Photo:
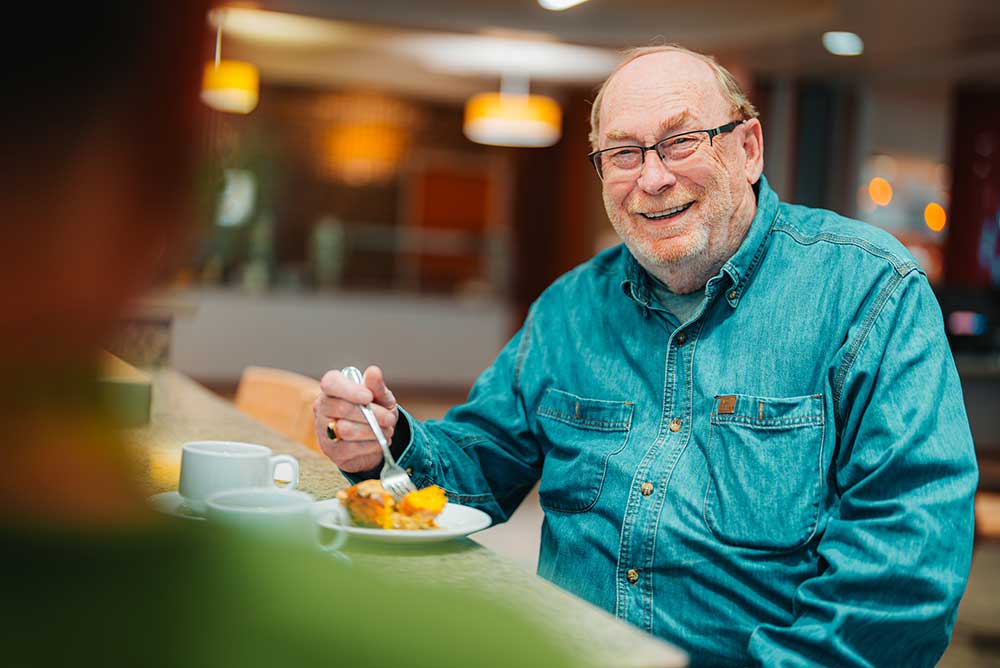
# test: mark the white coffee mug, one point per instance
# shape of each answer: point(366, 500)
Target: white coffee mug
point(270, 513)
point(208, 467)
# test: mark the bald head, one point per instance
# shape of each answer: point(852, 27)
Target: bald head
point(672, 64)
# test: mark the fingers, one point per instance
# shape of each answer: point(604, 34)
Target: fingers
point(375, 382)
point(336, 385)
point(338, 409)
point(349, 431)
point(353, 449)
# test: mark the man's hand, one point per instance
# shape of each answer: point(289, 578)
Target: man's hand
point(355, 448)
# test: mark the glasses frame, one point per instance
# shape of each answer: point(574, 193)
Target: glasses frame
point(712, 133)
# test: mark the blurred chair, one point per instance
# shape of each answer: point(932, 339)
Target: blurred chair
point(988, 516)
point(282, 400)
point(988, 496)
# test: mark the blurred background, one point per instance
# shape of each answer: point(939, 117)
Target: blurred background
point(379, 188)
point(356, 205)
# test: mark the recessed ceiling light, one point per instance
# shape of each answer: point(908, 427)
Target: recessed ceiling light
point(493, 56)
point(559, 5)
point(843, 43)
point(279, 28)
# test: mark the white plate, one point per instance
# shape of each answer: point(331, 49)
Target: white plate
point(454, 521)
point(172, 503)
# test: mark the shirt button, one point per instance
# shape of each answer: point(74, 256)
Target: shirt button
point(646, 489)
point(681, 338)
point(632, 576)
point(675, 425)
point(732, 294)
point(409, 470)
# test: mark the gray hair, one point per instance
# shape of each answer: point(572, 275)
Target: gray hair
point(730, 89)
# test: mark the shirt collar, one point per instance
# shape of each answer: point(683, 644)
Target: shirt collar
point(739, 268)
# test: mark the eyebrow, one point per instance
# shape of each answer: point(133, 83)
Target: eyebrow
point(674, 123)
point(665, 128)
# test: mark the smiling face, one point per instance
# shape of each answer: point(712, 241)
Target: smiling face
point(683, 220)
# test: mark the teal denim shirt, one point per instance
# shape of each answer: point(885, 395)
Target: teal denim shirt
point(785, 479)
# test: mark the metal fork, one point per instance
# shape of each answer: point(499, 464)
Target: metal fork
point(393, 477)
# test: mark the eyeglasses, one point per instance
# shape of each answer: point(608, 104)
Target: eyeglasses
point(623, 163)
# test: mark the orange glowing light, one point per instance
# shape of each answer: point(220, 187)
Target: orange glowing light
point(935, 216)
point(880, 191)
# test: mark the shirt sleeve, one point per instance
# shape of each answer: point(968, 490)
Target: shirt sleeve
point(483, 453)
point(894, 558)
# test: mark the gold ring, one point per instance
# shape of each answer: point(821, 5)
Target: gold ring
point(331, 431)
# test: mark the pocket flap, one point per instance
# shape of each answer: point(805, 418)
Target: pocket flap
point(768, 411)
point(585, 413)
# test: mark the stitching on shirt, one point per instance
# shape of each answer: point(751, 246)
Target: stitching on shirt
point(902, 267)
point(761, 250)
point(668, 474)
point(592, 422)
point(470, 440)
point(855, 349)
point(465, 498)
point(629, 521)
point(768, 422)
point(522, 350)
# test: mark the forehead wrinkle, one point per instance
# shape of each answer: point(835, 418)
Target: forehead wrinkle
point(666, 126)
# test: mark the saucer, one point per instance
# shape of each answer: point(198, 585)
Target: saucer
point(172, 503)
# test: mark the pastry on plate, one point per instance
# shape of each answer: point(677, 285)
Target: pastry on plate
point(371, 506)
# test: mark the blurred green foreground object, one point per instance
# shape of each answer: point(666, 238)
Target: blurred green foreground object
point(187, 594)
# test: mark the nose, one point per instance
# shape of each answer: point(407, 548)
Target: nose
point(654, 177)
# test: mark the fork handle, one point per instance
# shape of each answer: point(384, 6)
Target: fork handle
point(354, 374)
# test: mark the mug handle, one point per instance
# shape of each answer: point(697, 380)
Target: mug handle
point(340, 536)
point(291, 461)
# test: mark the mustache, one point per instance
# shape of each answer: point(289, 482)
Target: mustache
point(653, 205)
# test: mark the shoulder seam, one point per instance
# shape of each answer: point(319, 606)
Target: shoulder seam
point(901, 267)
point(522, 349)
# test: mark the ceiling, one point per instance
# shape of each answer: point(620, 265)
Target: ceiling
point(397, 44)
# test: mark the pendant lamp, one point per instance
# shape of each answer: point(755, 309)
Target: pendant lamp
point(232, 86)
point(513, 118)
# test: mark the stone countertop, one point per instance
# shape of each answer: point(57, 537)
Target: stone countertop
point(185, 411)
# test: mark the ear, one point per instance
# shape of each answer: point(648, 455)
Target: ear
point(753, 149)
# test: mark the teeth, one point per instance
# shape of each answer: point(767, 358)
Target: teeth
point(668, 212)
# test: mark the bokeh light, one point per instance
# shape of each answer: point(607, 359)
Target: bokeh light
point(880, 191)
point(935, 216)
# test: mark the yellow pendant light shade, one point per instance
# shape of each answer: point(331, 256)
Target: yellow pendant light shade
point(513, 120)
point(231, 85)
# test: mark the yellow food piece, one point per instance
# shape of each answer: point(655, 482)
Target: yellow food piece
point(426, 502)
point(370, 505)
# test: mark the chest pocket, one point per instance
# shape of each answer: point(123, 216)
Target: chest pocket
point(581, 435)
point(765, 463)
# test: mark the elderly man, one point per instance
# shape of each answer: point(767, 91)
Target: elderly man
point(746, 421)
